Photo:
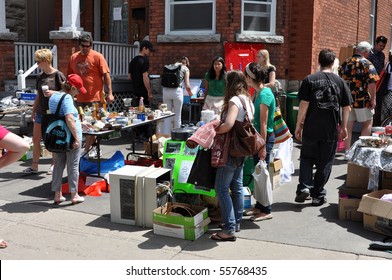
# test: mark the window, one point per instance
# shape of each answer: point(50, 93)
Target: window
point(258, 16)
point(190, 17)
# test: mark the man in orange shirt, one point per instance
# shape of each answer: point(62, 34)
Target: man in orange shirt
point(92, 67)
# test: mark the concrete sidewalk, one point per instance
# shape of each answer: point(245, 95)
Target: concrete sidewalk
point(35, 229)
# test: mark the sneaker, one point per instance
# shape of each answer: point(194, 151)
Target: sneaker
point(318, 201)
point(302, 196)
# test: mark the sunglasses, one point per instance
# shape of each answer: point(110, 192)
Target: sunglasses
point(85, 46)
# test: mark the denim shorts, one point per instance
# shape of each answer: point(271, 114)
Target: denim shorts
point(38, 118)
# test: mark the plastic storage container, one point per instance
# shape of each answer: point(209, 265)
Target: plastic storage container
point(292, 107)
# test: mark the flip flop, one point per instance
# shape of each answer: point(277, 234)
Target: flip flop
point(62, 199)
point(238, 229)
point(30, 170)
point(219, 237)
point(3, 244)
point(261, 218)
point(252, 212)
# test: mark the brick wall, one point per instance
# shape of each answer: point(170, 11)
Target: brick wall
point(7, 61)
point(65, 49)
point(228, 24)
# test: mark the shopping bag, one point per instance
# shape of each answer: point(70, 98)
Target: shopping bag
point(281, 130)
point(262, 184)
point(202, 173)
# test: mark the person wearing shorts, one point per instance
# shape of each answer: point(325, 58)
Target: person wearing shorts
point(15, 147)
point(361, 77)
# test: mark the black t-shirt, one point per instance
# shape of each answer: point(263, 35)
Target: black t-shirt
point(139, 65)
point(326, 93)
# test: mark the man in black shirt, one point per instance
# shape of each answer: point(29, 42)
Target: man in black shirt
point(322, 96)
point(138, 73)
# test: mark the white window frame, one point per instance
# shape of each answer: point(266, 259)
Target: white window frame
point(372, 21)
point(273, 5)
point(169, 3)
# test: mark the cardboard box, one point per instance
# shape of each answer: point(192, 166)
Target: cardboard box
point(276, 165)
point(178, 226)
point(275, 179)
point(386, 180)
point(44, 152)
point(155, 144)
point(377, 224)
point(147, 148)
point(357, 176)
point(371, 204)
point(348, 206)
point(275, 168)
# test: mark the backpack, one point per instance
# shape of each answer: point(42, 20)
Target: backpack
point(171, 77)
point(58, 137)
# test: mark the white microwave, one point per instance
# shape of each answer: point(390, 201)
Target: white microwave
point(133, 194)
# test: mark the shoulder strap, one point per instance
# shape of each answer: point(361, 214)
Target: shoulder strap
point(244, 106)
point(59, 105)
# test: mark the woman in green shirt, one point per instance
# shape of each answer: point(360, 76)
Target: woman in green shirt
point(264, 102)
point(215, 86)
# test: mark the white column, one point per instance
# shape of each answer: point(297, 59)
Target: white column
point(71, 15)
point(2, 18)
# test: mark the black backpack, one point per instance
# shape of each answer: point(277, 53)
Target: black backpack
point(171, 77)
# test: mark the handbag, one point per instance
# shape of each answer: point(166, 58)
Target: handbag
point(245, 139)
point(220, 149)
point(202, 172)
point(281, 130)
point(58, 137)
point(262, 191)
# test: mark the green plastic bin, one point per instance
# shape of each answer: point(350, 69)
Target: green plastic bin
point(292, 107)
point(247, 177)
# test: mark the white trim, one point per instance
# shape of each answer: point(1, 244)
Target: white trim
point(272, 30)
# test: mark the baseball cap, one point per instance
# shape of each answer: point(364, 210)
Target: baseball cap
point(146, 44)
point(75, 81)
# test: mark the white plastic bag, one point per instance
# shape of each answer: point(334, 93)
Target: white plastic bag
point(262, 184)
point(285, 151)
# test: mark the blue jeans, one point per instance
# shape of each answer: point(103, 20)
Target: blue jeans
point(230, 177)
point(320, 154)
point(268, 147)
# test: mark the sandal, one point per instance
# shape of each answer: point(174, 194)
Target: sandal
point(62, 199)
point(77, 200)
point(30, 170)
point(261, 217)
point(3, 244)
point(219, 237)
point(252, 212)
point(237, 229)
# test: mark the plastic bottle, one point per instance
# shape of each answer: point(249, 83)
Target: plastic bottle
point(81, 113)
point(141, 104)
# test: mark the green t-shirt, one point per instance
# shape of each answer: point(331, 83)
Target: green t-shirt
point(215, 87)
point(265, 97)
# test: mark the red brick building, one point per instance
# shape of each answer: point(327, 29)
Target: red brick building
point(293, 31)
